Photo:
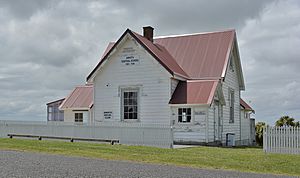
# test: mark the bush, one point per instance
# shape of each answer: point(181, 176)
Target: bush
point(259, 132)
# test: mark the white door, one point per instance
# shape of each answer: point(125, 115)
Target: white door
point(217, 121)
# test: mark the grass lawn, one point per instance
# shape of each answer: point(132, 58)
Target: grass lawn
point(240, 159)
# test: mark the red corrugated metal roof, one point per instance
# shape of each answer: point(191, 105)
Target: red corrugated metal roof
point(201, 56)
point(245, 105)
point(162, 55)
point(194, 92)
point(195, 56)
point(81, 97)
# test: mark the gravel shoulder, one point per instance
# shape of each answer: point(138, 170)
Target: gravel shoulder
point(27, 164)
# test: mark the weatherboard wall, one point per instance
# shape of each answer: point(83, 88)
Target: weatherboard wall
point(69, 116)
point(194, 132)
point(245, 123)
point(148, 75)
point(231, 83)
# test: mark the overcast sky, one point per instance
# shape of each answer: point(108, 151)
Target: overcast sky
point(49, 47)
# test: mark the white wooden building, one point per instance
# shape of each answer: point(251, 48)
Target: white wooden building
point(247, 124)
point(77, 107)
point(190, 82)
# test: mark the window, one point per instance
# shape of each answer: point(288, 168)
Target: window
point(231, 105)
point(50, 113)
point(231, 66)
point(184, 115)
point(247, 115)
point(78, 117)
point(130, 104)
point(53, 112)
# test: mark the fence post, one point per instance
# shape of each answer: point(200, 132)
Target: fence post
point(264, 139)
point(172, 137)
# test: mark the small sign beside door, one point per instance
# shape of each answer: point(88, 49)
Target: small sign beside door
point(107, 114)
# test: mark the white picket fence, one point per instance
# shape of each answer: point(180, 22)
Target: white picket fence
point(281, 140)
point(127, 133)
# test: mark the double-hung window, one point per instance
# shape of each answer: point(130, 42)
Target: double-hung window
point(79, 117)
point(184, 115)
point(130, 104)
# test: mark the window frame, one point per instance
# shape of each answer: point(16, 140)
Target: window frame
point(130, 89)
point(78, 113)
point(191, 115)
point(50, 113)
point(246, 115)
point(231, 100)
point(231, 64)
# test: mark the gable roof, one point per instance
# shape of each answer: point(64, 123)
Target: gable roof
point(162, 55)
point(80, 97)
point(194, 92)
point(195, 56)
point(245, 105)
point(203, 56)
point(157, 51)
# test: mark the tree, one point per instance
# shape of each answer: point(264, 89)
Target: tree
point(286, 121)
point(259, 131)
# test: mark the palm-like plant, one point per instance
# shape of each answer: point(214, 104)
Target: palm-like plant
point(285, 121)
point(259, 129)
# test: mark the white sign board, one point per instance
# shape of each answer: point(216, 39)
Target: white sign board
point(107, 115)
point(130, 60)
point(130, 57)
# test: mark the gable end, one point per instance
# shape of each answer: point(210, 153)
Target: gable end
point(157, 49)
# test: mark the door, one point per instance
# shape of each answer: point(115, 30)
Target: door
point(217, 121)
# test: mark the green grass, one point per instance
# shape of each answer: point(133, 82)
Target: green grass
point(240, 159)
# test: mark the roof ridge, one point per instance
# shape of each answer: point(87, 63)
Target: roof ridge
point(84, 86)
point(182, 35)
point(159, 47)
point(192, 34)
point(206, 80)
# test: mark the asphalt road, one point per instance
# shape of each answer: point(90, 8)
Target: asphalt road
point(25, 164)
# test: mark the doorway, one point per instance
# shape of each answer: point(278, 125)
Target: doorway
point(217, 121)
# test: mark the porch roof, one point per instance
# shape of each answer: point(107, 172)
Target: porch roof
point(80, 97)
point(194, 92)
point(245, 105)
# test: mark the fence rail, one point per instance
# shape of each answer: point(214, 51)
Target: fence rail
point(127, 133)
point(282, 140)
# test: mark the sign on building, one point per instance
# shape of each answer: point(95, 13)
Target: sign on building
point(108, 115)
point(130, 57)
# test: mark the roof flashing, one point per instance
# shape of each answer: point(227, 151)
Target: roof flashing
point(192, 34)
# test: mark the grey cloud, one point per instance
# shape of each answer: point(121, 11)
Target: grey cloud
point(191, 16)
point(271, 60)
point(49, 47)
point(23, 9)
